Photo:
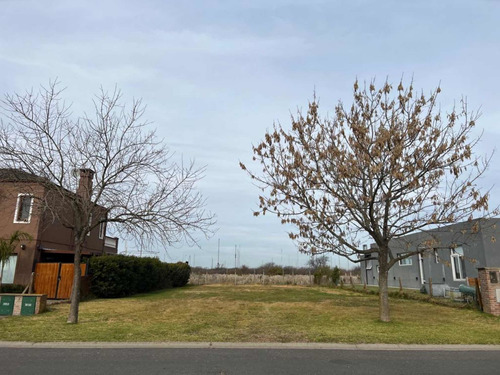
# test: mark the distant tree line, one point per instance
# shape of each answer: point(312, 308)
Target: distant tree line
point(317, 267)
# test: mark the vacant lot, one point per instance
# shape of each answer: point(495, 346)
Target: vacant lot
point(256, 313)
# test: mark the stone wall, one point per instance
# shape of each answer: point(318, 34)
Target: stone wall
point(489, 281)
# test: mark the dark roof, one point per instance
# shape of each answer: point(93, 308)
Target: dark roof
point(18, 175)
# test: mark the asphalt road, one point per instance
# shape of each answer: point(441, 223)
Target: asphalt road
point(125, 361)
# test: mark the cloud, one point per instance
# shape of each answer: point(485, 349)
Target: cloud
point(216, 74)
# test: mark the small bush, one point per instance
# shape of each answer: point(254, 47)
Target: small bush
point(335, 275)
point(120, 275)
point(272, 269)
point(330, 274)
point(180, 274)
point(12, 288)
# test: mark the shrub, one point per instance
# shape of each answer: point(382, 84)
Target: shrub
point(335, 275)
point(180, 274)
point(120, 275)
point(271, 269)
point(12, 288)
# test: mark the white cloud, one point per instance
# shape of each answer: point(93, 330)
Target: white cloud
point(216, 74)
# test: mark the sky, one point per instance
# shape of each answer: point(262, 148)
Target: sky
point(215, 75)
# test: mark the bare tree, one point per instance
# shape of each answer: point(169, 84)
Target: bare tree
point(319, 261)
point(388, 165)
point(128, 177)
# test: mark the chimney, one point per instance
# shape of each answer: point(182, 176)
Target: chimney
point(85, 183)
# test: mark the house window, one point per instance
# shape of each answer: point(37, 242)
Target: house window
point(405, 261)
point(436, 256)
point(457, 263)
point(102, 230)
point(23, 208)
point(90, 224)
point(9, 270)
point(369, 265)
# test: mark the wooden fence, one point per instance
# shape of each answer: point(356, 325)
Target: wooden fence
point(201, 278)
point(55, 279)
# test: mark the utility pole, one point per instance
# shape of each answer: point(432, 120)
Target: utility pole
point(234, 264)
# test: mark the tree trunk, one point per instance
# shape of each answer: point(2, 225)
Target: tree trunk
point(1, 276)
point(383, 297)
point(75, 291)
point(384, 315)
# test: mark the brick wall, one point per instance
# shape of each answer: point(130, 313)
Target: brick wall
point(489, 281)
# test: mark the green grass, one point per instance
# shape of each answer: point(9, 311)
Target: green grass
point(256, 313)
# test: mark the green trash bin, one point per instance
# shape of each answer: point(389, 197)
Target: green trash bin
point(6, 305)
point(28, 305)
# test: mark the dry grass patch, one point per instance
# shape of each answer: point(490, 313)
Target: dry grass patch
point(256, 314)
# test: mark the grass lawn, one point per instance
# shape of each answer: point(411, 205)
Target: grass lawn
point(256, 313)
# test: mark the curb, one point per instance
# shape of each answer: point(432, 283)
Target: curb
point(239, 345)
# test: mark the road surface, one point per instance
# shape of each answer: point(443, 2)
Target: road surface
point(225, 361)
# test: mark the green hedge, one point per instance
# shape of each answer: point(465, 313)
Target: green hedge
point(123, 275)
point(12, 288)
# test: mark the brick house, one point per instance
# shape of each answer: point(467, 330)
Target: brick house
point(52, 241)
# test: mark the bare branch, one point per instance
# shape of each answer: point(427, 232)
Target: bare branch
point(136, 186)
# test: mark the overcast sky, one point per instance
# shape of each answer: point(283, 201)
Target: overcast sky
point(215, 75)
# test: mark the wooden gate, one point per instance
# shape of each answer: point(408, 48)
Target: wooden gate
point(55, 279)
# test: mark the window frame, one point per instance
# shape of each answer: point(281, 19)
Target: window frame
point(436, 256)
point(90, 224)
point(9, 268)
point(20, 198)
point(455, 256)
point(369, 264)
point(102, 230)
point(404, 262)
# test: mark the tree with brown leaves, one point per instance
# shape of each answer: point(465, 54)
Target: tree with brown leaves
point(388, 165)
